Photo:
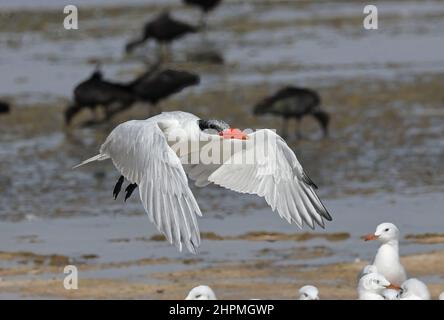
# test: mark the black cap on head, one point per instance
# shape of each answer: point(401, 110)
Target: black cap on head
point(217, 125)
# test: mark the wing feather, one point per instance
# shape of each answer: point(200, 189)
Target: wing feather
point(276, 175)
point(140, 151)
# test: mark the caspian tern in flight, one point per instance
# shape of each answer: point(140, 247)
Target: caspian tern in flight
point(155, 155)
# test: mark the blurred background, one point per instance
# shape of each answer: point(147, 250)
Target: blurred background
point(382, 161)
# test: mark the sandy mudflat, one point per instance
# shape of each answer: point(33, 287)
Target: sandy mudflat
point(249, 279)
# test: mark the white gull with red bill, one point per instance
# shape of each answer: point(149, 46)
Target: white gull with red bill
point(150, 154)
point(372, 286)
point(387, 260)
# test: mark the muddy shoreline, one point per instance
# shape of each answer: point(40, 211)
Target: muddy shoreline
point(261, 279)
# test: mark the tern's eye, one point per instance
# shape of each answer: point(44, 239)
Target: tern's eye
point(198, 295)
point(386, 230)
point(305, 295)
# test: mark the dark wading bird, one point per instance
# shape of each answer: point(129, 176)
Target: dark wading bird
point(152, 86)
point(205, 6)
point(155, 86)
point(163, 29)
point(292, 102)
point(4, 107)
point(95, 92)
point(144, 154)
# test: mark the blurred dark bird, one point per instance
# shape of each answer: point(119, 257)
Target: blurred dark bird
point(95, 92)
point(154, 86)
point(4, 107)
point(205, 6)
point(164, 29)
point(292, 102)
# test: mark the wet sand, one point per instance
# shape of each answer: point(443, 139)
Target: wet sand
point(123, 257)
point(260, 279)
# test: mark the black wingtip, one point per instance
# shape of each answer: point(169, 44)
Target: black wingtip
point(308, 181)
point(327, 216)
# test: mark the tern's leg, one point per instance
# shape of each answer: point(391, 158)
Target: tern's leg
point(129, 190)
point(117, 187)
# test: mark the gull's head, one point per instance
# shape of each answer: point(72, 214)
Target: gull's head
point(441, 296)
point(390, 294)
point(375, 283)
point(385, 232)
point(414, 289)
point(308, 293)
point(201, 293)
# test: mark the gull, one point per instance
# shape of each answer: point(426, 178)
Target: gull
point(370, 268)
point(372, 285)
point(153, 155)
point(387, 258)
point(390, 294)
point(308, 293)
point(414, 289)
point(201, 293)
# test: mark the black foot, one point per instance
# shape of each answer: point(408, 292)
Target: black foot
point(117, 187)
point(129, 190)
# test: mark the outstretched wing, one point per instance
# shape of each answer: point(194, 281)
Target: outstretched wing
point(266, 166)
point(140, 151)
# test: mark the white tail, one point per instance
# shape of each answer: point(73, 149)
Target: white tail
point(98, 157)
